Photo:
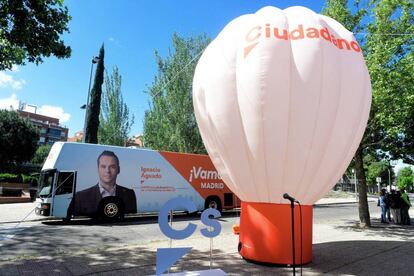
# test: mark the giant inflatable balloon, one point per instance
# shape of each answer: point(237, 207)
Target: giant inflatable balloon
point(282, 98)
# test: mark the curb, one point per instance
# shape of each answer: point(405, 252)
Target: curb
point(343, 202)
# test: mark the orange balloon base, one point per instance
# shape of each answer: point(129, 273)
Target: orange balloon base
point(266, 233)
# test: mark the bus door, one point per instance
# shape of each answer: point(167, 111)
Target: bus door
point(65, 185)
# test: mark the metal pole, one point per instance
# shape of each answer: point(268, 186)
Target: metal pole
point(389, 180)
point(292, 206)
point(211, 250)
point(356, 186)
point(94, 60)
point(171, 223)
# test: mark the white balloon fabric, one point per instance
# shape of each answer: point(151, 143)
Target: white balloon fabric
point(282, 98)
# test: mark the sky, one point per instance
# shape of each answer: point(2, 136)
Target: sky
point(131, 31)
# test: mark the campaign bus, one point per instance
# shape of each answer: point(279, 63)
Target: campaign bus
point(79, 179)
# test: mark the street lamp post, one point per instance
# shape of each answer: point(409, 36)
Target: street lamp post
point(389, 180)
point(86, 107)
point(379, 183)
point(355, 182)
point(391, 164)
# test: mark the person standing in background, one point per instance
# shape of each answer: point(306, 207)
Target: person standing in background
point(382, 203)
point(395, 206)
point(405, 206)
point(387, 205)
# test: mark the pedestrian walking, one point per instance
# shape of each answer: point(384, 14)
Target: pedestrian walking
point(383, 205)
point(406, 204)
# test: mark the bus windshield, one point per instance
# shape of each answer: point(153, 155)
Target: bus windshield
point(46, 183)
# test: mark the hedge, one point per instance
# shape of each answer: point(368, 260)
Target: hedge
point(18, 178)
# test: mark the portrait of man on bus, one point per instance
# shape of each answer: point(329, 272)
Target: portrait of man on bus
point(88, 201)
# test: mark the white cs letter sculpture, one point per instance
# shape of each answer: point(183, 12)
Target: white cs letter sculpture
point(282, 98)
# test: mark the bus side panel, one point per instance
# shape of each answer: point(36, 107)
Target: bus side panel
point(159, 182)
point(152, 178)
point(200, 172)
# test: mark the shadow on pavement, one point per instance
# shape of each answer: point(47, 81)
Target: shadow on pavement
point(136, 261)
point(332, 258)
point(40, 241)
point(404, 232)
point(363, 258)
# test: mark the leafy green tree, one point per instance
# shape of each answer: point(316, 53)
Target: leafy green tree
point(385, 31)
point(378, 168)
point(18, 138)
point(406, 179)
point(115, 122)
point(94, 108)
point(41, 154)
point(30, 30)
point(170, 123)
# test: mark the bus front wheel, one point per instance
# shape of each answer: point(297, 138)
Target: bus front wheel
point(111, 208)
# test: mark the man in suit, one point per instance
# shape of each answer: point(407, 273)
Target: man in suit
point(87, 201)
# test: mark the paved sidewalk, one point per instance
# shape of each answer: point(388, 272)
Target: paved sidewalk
point(338, 249)
point(16, 212)
point(342, 200)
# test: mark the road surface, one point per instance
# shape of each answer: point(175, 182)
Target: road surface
point(47, 238)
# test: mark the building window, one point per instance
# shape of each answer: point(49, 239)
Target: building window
point(42, 139)
point(51, 142)
point(54, 132)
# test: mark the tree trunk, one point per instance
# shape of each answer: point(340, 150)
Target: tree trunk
point(364, 219)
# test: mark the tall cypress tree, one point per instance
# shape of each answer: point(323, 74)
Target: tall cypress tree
point(92, 123)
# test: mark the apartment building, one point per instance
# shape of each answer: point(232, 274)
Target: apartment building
point(50, 129)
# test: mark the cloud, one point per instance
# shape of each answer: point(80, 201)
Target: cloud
point(12, 103)
point(115, 41)
point(7, 80)
point(55, 112)
point(15, 68)
point(9, 103)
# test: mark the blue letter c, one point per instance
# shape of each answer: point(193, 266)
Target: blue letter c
point(171, 205)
